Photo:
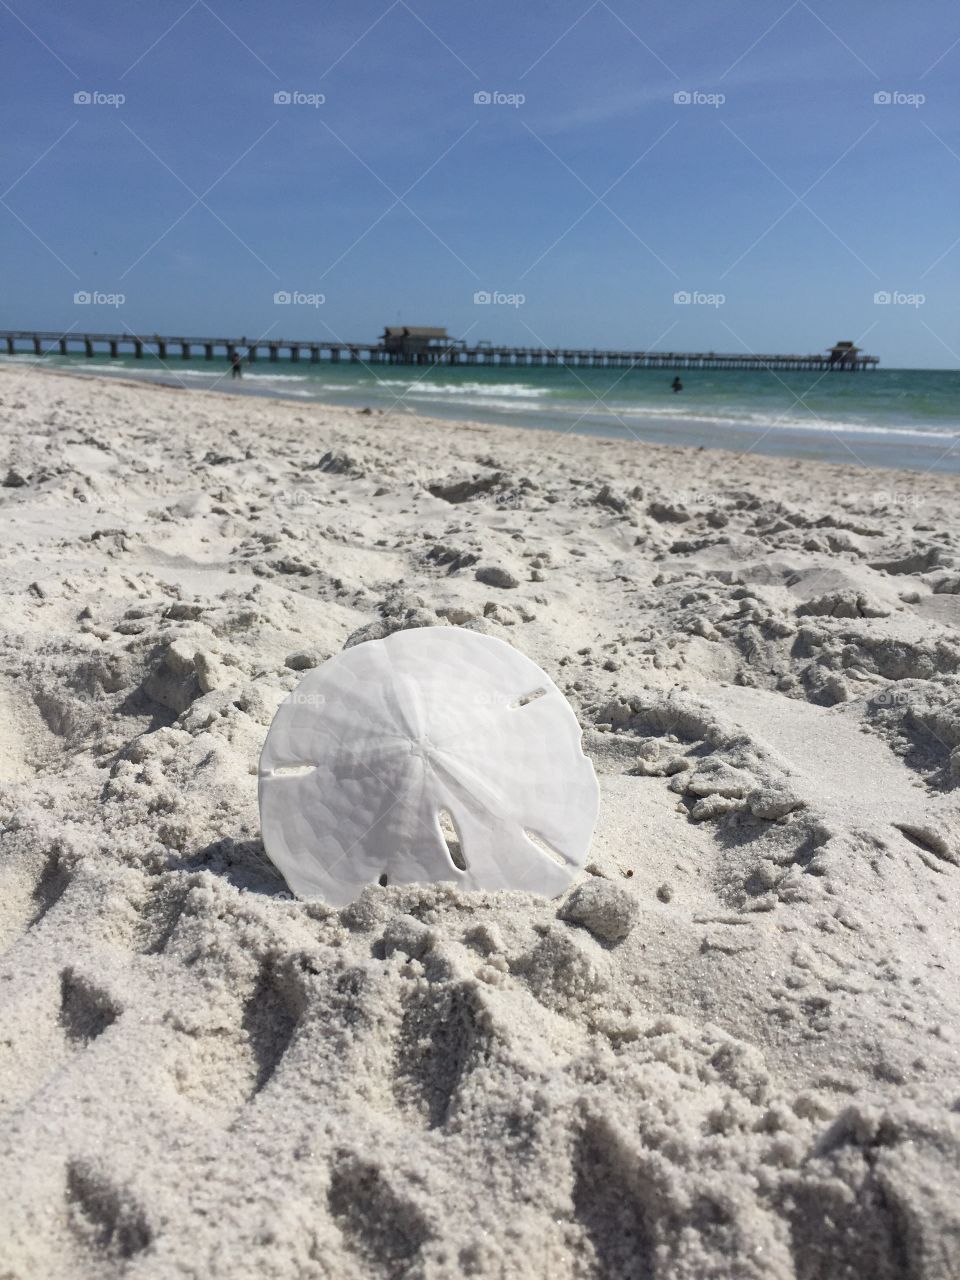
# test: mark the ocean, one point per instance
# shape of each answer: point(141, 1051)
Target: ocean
point(890, 417)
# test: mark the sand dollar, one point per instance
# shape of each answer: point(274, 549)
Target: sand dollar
point(436, 754)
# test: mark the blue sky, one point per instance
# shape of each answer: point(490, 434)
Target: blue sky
point(784, 188)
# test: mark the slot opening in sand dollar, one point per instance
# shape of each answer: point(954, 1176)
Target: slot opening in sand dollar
point(292, 770)
point(451, 838)
point(526, 698)
point(544, 846)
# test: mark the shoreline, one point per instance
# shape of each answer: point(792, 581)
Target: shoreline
point(453, 423)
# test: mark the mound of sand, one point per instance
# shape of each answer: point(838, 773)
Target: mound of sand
point(730, 1052)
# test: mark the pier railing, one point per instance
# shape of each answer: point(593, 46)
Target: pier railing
point(41, 343)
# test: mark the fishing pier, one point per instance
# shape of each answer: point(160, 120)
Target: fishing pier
point(408, 345)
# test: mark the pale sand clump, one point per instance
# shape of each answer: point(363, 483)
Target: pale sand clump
point(733, 1054)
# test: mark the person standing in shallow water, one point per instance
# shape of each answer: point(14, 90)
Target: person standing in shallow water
point(676, 385)
point(236, 365)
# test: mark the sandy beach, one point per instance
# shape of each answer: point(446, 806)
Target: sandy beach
point(204, 1077)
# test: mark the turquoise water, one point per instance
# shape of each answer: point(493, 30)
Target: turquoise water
point(890, 417)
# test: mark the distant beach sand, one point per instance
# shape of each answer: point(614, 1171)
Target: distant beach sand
point(202, 1076)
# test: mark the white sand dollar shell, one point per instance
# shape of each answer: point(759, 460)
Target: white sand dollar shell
point(434, 754)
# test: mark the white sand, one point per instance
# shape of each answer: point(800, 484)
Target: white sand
point(205, 1078)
